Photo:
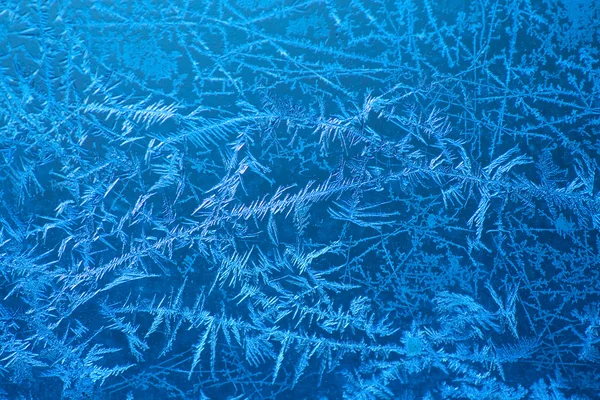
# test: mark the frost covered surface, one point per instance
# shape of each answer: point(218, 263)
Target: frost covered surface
point(267, 199)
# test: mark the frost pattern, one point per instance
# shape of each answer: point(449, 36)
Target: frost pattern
point(314, 199)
